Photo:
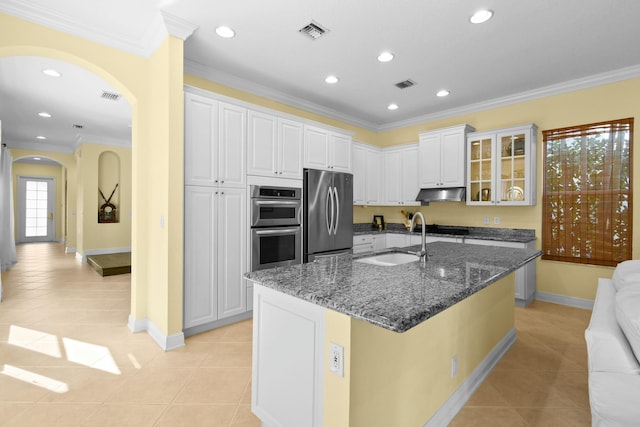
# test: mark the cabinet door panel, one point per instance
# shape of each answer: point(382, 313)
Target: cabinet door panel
point(262, 141)
point(359, 173)
point(200, 253)
point(200, 140)
point(341, 158)
point(374, 176)
point(232, 140)
point(291, 142)
point(316, 148)
point(429, 153)
point(393, 176)
point(232, 258)
point(409, 187)
point(453, 160)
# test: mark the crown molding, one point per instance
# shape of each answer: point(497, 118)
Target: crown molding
point(89, 30)
point(239, 83)
point(556, 89)
point(177, 26)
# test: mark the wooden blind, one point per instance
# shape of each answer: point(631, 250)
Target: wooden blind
point(587, 194)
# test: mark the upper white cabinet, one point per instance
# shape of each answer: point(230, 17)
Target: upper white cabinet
point(502, 166)
point(441, 155)
point(274, 146)
point(215, 142)
point(325, 149)
point(359, 163)
point(367, 163)
point(401, 175)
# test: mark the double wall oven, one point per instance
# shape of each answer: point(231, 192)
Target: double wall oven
point(276, 234)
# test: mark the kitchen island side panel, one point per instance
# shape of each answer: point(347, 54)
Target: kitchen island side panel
point(404, 379)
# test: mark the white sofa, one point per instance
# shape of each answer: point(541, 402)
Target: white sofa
point(613, 348)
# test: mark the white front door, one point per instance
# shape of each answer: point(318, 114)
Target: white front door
point(36, 207)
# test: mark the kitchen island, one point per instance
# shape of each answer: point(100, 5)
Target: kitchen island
point(416, 340)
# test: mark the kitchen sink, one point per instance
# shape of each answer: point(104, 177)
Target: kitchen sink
point(389, 259)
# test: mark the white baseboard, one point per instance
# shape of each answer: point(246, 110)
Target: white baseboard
point(83, 256)
point(69, 250)
point(166, 342)
point(587, 304)
point(459, 398)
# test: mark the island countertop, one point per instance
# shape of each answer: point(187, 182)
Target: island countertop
point(396, 297)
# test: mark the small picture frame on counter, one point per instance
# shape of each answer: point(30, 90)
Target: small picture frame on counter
point(378, 222)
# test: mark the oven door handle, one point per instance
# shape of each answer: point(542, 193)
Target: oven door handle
point(278, 231)
point(277, 202)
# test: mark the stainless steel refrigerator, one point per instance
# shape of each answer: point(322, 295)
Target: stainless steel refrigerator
point(328, 213)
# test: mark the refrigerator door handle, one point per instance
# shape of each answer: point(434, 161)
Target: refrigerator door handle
point(329, 210)
point(337, 197)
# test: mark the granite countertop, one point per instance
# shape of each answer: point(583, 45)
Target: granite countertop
point(519, 235)
point(398, 297)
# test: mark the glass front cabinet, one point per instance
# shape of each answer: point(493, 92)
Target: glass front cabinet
point(501, 168)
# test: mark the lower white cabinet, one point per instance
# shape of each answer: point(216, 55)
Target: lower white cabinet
point(525, 276)
point(215, 254)
point(288, 360)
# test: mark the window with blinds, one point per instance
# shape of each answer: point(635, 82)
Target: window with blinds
point(587, 197)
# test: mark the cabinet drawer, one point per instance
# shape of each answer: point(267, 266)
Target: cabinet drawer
point(362, 239)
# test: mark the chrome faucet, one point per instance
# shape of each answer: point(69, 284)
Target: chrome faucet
point(423, 247)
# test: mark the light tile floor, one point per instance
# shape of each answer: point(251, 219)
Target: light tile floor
point(68, 359)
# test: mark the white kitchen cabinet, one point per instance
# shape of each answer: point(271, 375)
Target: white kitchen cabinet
point(525, 276)
point(379, 241)
point(274, 146)
point(359, 163)
point(368, 178)
point(501, 169)
point(288, 363)
point(215, 142)
point(362, 243)
point(401, 175)
point(325, 149)
point(215, 254)
point(441, 156)
point(394, 240)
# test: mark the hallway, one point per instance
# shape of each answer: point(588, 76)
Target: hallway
point(67, 357)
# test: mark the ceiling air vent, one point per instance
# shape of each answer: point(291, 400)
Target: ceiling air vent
point(405, 84)
point(313, 30)
point(111, 96)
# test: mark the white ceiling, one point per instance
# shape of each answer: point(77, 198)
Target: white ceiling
point(530, 48)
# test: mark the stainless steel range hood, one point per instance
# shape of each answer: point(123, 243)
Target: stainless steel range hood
point(451, 194)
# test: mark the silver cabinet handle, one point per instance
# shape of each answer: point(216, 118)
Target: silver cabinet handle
point(286, 231)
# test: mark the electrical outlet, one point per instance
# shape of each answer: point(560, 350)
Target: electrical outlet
point(496, 220)
point(336, 359)
point(486, 220)
point(454, 366)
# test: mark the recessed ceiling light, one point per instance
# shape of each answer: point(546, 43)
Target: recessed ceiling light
point(392, 107)
point(385, 57)
point(51, 72)
point(442, 93)
point(331, 79)
point(36, 158)
point(481, 16)
point(44, 114)
point(225, 32)
point(41, 137)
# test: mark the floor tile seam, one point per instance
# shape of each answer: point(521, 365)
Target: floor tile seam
point(186, 381)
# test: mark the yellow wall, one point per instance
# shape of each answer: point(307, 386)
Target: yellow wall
point(394, 379)
point(95, 235)
point(151, 86)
